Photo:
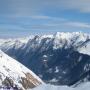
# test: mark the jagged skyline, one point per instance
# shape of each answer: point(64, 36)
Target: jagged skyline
point(25, 17)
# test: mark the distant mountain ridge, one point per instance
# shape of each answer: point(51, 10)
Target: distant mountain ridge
point(61, 58)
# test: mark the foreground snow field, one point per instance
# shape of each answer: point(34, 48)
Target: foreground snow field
point(12, 74)
point(85, 86)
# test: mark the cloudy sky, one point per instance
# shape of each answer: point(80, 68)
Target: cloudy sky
point(24, 17)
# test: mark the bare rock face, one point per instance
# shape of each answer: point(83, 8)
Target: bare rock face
point(8, 82)
point(15, 75)
point(29, 81)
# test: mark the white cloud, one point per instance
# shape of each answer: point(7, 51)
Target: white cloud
point(67, 25)
point(78, 24)
point(37, 7)
point(40, 17)
point(80, 5)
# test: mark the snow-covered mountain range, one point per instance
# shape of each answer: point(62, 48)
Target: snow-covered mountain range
point(15, 75)
point(61, 58)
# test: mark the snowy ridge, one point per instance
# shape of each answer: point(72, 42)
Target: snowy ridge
point(60, 39)
point(16, 72)
point(69, 39)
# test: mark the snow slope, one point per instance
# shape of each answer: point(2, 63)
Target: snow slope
point(85, 49)
point(13, 73)
point(85, 86)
